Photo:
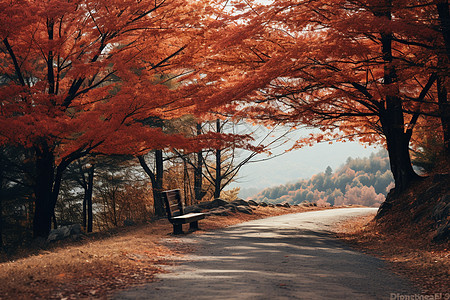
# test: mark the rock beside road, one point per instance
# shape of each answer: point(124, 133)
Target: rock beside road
point(220, 207)
point(224, 208)
point(74, 231)
point(244, 209)
point(253, 203)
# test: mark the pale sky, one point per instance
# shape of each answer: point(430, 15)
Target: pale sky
point(297, 164)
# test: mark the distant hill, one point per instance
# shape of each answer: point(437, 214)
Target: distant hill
point(364, 181)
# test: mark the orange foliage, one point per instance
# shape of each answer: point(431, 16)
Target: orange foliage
point(82, 74)
point(87, 76)
point(358, 70)
point(315, 62)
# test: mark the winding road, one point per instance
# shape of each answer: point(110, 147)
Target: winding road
point(285, 257)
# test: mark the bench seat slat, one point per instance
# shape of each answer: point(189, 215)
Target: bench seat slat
point(188, 218)
point(190, 215)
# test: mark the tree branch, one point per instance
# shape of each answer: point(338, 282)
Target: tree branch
point(14, 59)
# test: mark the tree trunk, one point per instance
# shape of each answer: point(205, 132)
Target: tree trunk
point(444, 20)
point(156, 181)
point(1, 208)
point(55, 223)
point(198, 177)
point(392, 119)
point(399, 157)
point(444, 112)
point(1, 223)
point(186, 185)
point(83, 183)
point(45, 169)
point(113, 198)
point(218, 179)
point(198, 171)
point(88, 197)
point(444, 109)
point(159, 205)
point(85, 210)
point(43, 188)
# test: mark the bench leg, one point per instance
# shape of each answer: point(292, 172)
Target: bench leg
point(193, 225)
point(177, 229)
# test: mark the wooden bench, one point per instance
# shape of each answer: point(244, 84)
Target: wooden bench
point(175, 212)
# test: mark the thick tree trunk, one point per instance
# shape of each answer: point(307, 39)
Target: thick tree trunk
point(392, 119)
point(400, 161)
point(399, 157)
point(444, 19)
point(43, 190)
point(47, 185)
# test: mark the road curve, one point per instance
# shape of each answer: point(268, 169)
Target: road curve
point(285, 257)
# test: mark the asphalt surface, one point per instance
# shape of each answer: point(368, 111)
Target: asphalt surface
point(286, 257)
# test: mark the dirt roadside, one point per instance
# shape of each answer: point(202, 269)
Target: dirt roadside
point(425, 264)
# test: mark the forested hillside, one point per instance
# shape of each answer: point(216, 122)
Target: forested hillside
point(363, 181)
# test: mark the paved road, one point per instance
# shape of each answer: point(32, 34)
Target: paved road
point(285, 257)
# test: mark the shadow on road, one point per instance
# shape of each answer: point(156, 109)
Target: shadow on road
point(280, 258)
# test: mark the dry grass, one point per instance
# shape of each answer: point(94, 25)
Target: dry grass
point(99, 264)
point(88, 268)
point(409, 253)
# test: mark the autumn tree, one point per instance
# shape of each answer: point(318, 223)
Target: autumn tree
point(365, 70)
point(75, 79)
point(233, 145)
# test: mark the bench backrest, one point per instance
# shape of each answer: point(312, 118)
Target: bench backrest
point(173, 203)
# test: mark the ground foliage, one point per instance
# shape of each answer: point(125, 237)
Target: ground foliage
point(414, 235)
point(409, 252)
point(423, 209)
point(364, 181)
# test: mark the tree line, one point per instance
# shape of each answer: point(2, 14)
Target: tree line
point(364, 181)
point(101, 192)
